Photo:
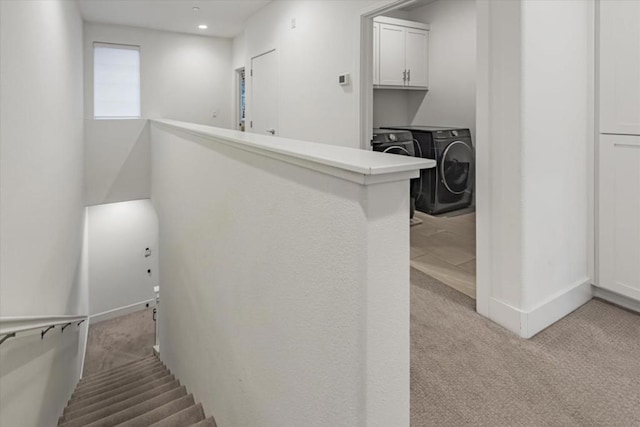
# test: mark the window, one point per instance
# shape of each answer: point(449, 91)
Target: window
point(116, 81)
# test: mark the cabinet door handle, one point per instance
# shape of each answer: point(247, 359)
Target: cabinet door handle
point(404, 76)
point(409, 75)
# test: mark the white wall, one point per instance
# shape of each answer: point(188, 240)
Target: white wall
point(390, 107)
point(283, 289)
point(183, 77)
point(41, 203)
point(116, 160)
point(324, 44)
point(555, 188)
point(451, 99)
point(119, 233)
point(533, 185)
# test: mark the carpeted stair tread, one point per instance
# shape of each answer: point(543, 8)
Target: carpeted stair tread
point(80, 418)
point(146, 374)
point(72, 412)
point(141, 408)
point(186, 417)
point(121, 384)
point(115, 382)
point(159, 413)
point(119, 368)
point(119, 374)
point(110, 393)
point(139, 394)
point(123, 366)
point(118, 381)
point(209, 422)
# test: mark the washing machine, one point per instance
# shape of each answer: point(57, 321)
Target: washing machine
point(450, 185)
point(393, 142)
point(397, 142)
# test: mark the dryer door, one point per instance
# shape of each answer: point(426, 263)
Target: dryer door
point(456, 169)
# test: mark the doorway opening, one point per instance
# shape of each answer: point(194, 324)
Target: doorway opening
point(241, 104)
point(435, 42)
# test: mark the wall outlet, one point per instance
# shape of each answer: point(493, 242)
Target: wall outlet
point(214, 114)
point(293, 23)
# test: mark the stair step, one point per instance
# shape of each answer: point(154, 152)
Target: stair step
point(159, 413)
point(118, 374)
point(141, 408)
point(139, 393)
point(83, 394)
point(72, 412)
point(209, 422)
point(119, 378)
point(110, 393)
point(116, 382)
point(186, 417)
point(83, 417)
point(118, 368)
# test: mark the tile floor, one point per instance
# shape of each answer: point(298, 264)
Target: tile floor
point(445, 248)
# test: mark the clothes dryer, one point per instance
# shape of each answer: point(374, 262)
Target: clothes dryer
point(450, 185)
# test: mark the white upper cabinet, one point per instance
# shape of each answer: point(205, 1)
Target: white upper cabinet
point(400, 53)
point(620, 67)
point(392, 65)
point(416, 50)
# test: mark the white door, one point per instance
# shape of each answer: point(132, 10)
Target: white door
point(391, 49)
point(264, 94)
point(620, 67)
point(619, 214)
point(416, 45)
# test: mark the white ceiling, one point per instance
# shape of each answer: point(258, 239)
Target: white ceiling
point(224, 18)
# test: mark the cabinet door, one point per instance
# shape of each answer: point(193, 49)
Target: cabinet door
point(416, 53)
point(391, 55)
point(620, 67)
point(376, 53)
point(619, 214)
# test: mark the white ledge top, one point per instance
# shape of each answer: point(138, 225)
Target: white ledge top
point(362, 166)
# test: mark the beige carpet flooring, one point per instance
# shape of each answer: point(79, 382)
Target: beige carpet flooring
point(465, 370)
point(118, 341)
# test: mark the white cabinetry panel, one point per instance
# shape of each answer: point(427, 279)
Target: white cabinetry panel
point(391, 55)
point(400, 51)
point(619, 219)
point(620, 67)
point(416, 45)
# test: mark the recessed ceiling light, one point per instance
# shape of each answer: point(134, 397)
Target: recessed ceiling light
point(203, 26)
point(195, 8)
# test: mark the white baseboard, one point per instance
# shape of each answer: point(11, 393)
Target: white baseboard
point(505, 315)
point(120, 311)
point(530, 322)
point(617, 299)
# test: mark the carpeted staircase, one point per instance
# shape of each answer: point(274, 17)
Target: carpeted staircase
point(139, 393)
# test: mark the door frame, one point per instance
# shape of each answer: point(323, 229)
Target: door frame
point(236, 96)
point(482, 143)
